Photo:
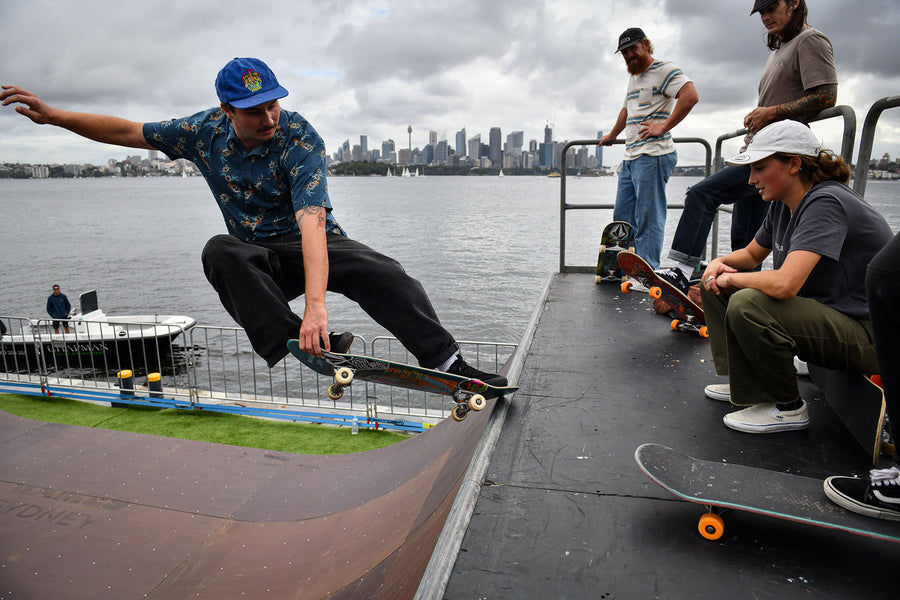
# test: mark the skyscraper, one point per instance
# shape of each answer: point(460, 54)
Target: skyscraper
point(461, 142)
point(599, 150)
point(496, 151)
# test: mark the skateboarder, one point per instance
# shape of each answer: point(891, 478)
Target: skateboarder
point(799, 80)
point(659, 95)
point(266, 169)
point(822, 236)
point(878, 495)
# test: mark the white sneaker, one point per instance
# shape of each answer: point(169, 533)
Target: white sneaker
point(718, 391)
point(766, 418)
point(800, 367)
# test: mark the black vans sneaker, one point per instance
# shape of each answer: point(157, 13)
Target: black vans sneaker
point(877, 495)
point(674, 276)
point(340, 343)
point(461, 367)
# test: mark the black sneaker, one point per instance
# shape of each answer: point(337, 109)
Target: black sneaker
point(461, 367)
point(674, 276)
point(340, 343)
point(875, 496)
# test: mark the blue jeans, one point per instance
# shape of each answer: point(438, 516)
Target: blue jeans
point(641, 200)
point(728, 186)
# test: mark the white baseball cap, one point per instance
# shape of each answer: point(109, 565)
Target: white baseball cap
point(790, 137)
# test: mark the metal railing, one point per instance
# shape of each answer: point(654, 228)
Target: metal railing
point(217, 365)
point(716, 164)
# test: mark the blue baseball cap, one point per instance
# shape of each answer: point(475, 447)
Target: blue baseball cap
point(246, 82)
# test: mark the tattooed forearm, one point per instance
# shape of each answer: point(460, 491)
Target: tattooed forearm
point(818, 98)
point(317, 212)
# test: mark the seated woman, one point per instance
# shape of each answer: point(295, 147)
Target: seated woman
point(822, 236)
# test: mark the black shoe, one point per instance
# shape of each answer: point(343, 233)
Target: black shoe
point(674, 276)
point(461, 367)
point(875, 496)
point(340, 343)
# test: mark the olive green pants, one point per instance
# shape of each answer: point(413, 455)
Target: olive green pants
point(754, 338)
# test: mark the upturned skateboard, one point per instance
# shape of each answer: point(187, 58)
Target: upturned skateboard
point(721, 486)
point(859, 404)
point(469, 394)
point(617, 236)
point(689, 316)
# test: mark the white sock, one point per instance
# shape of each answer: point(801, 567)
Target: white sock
point(448, 362)
point(686, 270)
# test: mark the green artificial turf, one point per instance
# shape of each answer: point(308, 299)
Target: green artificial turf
point(207, 426)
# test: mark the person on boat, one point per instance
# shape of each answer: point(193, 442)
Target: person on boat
point(658, 97)
point(58, 307)
point(799, 80)
point(878, 495)
point(812, 304)
point(266, 169)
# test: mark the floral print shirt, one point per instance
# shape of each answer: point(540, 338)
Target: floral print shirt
point(258, 191)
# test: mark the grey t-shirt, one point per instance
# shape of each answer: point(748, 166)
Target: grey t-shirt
point(836, 223)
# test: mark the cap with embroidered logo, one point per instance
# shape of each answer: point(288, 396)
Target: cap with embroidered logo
point(630, 37)
point(246, 82)
point(789, 137)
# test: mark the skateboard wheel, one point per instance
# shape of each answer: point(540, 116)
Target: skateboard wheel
point(343, 376)
point(335, 391)
point(704, 332)
point(626, 287)
point(711, 526)
point(675, 325)
point(459, 412)
point(655, 292)
point(477, 402)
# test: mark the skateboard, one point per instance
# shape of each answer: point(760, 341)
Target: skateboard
point(721, 486)
point(617, 236)
point(859, 404)
point(469, 394)
point(689, 316)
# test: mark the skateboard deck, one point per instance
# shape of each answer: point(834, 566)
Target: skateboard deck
point(617, 236)
point(689, 316)
point(469, 394)
point(859, 404)
point(720, 486)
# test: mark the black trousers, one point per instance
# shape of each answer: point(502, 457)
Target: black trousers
point(882, 292)
point(256, 281)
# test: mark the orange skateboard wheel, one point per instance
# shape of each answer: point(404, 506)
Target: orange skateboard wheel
point(626, 287)
point(704, 332)
point(711, 526)
point(655, 292)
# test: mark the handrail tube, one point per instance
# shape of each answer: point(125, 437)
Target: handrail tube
point(861, 174)
point(563, 206)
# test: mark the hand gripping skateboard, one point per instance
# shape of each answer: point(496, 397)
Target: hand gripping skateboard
point(689, 315)
point(469, 394)
point(617, 236)
point(721, 486)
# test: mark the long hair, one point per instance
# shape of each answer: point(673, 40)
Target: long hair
point(794, 26)
point(827, 166)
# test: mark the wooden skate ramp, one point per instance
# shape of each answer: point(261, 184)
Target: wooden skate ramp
point(90, 513)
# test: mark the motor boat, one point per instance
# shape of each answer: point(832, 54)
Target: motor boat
point(94, 340)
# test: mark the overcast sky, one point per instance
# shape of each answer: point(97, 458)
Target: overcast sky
point(374, 67)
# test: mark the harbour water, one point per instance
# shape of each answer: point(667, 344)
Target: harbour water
point(483, 247)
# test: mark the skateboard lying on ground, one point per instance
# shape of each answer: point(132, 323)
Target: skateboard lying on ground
point(469, 394)
point(721, 486)
point(859, 404)
point(689, 314)
point(617, 236)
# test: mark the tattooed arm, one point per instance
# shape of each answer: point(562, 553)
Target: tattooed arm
point(815, 100)
point(311, 221)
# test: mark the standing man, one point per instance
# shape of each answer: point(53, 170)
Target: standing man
point(659, 96)
point(58, 307)
point(799, 80)
point(266, 169)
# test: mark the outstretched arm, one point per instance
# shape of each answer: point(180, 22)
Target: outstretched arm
point(100, 128)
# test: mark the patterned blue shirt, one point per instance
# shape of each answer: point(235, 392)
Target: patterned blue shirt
point(258, 191)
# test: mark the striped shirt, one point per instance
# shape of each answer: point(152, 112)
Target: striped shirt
point(650, 99)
